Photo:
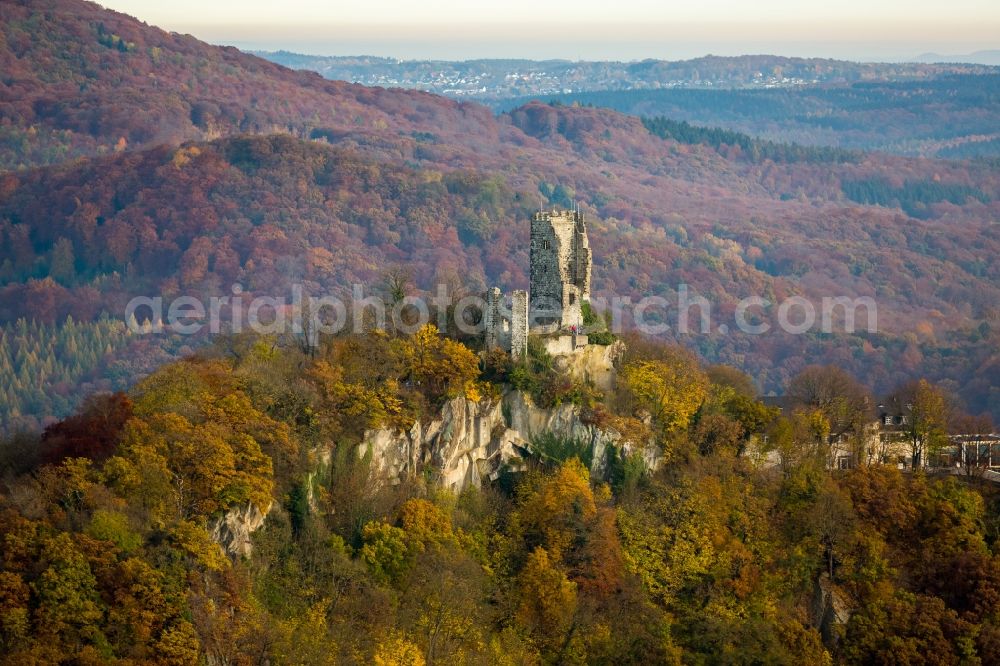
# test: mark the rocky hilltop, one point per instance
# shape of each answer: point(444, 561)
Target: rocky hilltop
point(470, 442)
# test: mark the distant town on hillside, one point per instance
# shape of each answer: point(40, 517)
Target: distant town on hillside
point(498, 79)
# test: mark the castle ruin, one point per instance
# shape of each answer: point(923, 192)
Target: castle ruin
point(507, 331)
point(559, 281)
point(560, 270)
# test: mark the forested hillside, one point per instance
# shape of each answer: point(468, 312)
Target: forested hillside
point(231, 498)
point(79, 80)
point(441, 191)
point(108, 557)
point(270, 212)
point(948, 115)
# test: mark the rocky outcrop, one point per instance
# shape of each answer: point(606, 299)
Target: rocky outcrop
point(233, 529)
point(564, 422)
point(830, 610)
point(591, 363)
point(471, 441)
point(467, 442)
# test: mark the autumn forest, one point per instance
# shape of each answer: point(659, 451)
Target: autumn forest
point(288, 498)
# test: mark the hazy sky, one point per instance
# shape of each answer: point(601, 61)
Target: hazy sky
point(584, 29)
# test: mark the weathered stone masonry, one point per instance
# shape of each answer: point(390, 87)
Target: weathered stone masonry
point(559, 285)
point(560, 270)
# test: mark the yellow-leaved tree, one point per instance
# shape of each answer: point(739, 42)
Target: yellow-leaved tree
point(397, 650)
point(351, 407)
point(671, 388)
point(441, 367)
point(196, 445)
point(560, 510)
point(548, 601)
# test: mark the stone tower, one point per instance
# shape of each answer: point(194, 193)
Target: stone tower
point(560, 284)
point(560, 270)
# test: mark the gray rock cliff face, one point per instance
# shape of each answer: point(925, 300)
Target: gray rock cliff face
point(233, 529)
point(830, 610)
point(471, 441)
point(465, 443)
point(468, 442)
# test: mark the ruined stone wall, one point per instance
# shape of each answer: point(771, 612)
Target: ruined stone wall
point(572, 307)
point(560, 269)
point(494, 322)
point(583, 260)
point(519, 324)
point(506, 330)
point(545, 274)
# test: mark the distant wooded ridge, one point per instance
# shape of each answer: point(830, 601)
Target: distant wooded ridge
point(951, 109)
point(954, 116)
